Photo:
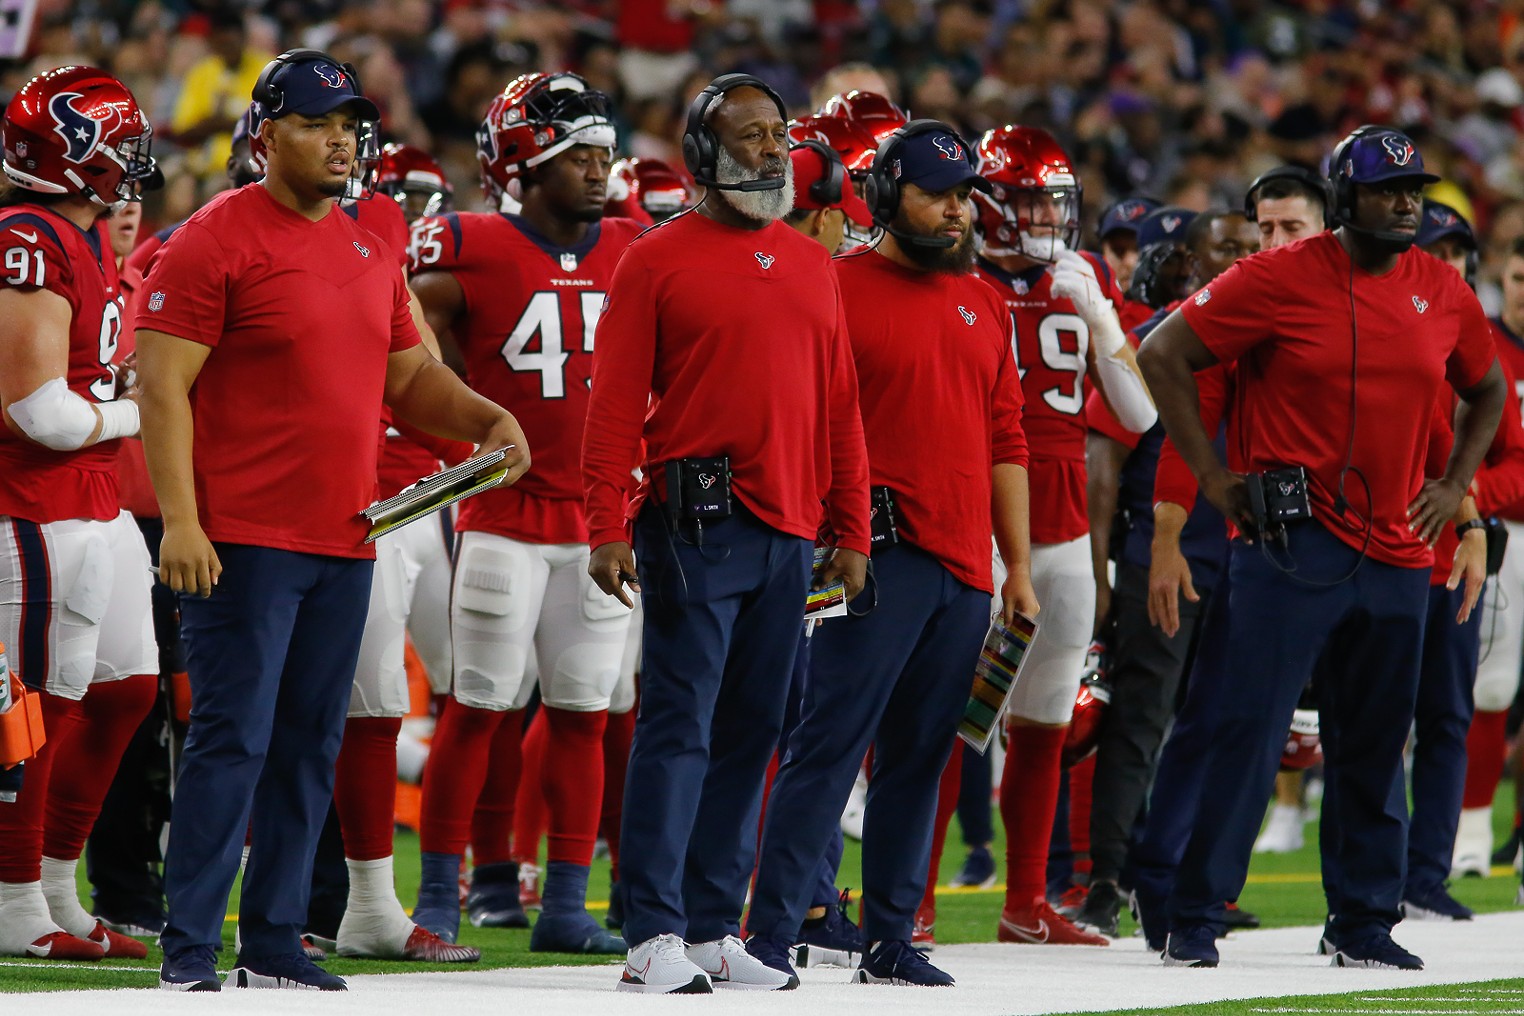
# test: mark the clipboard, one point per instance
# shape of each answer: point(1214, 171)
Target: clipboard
point(995, 676)
point(440, 490)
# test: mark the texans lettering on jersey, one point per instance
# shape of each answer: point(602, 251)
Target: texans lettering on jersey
point(1052, 351)
point(526, 336)
point(40, 249)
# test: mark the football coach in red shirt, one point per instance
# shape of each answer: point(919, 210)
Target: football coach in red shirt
point(723, 345)
point(1342, 342)
point(273, 330)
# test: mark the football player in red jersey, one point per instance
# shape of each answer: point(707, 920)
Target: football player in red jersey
point(1067, 338)
point(74, 600)
point(415, 180)
point(646, 190)
point(520, 295)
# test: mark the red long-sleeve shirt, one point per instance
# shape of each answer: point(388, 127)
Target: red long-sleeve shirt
point(724, 341)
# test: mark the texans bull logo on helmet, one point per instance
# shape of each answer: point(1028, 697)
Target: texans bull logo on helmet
point(1399, 151)
point(80, 131)
point(950, 149)
point(331, 76)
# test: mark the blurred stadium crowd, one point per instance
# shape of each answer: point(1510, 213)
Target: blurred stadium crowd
point(1184, 100)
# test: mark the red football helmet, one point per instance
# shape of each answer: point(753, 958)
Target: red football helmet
point(78, 130)
point(537, 117)
point(646, 190)
point(855, 146)
point(1090, 707)
point(1033, 208)
point(1303, 746)
point(873, 114)
point(410, 176)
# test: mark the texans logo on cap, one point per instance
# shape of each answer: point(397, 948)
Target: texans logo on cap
point(79, 131)
point(1129, 210)
point(1399, 151)
point(950, 149)
point(1170, 223)
point(1442, 218)
point(330, 75)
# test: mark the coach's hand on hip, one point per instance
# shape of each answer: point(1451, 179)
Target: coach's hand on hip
point(612, 567)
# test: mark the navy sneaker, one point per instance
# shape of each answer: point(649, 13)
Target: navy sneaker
point(978, 869)
point(193, 969)
point(1148, 910)
point(1434, 904)
point(289, 971)
point(575, 932)
point(832, 940)
point(771, 952)
point(1191, 945)
point(1375, 952)
point(899, 963)
point(493, 901)
point(614, 919)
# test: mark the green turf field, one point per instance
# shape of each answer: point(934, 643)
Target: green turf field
point(1476, 997)
point(1284, 890)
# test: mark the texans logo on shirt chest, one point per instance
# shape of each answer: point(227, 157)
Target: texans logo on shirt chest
point(1420, 304)
point(765, 260)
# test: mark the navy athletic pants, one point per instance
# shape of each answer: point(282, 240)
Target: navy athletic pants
point(271, 655)
point(722, 623)
point(896, 677)
point(1360, 640)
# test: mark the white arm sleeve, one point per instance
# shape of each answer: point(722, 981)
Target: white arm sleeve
point(55, 417)
point(1126, 393)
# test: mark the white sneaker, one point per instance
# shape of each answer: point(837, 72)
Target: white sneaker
point(661, 966)
point(729, 965)
point(1473, 844)
point(1283, 832)
point(857, 807)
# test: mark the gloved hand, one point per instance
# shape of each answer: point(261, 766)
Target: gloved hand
point(1074, 279)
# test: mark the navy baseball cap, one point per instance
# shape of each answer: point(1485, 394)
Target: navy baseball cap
point(317, 87)
point(1167, 224)
point(936, 160)
point(1125, 215)
point(1439, 221)
point(1379, 155)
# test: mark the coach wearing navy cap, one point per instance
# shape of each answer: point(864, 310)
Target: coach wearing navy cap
point(938, 382)
point(1335, 372)
point(1118, 233)
point(274, 329)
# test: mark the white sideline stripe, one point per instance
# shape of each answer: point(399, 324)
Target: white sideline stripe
point(45, 965)
point(1382, 1012)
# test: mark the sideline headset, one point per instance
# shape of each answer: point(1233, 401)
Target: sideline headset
point(701, 149)
point(881, 189)
point(1319, 186)
point(267, 91)
point(830, 189)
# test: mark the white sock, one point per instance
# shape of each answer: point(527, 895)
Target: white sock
point(62, 894)
point(374, 922)
point(24, 917)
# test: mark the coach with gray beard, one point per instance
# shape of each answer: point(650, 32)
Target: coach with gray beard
point(722, 352)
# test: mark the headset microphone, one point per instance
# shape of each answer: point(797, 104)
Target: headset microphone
point(766, 183)
point(915, 240)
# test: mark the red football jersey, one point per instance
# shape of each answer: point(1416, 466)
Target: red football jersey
point(43, 250)
point(526, 335)
point(383, 217)
point(1052, 352)
point(1416, 327)
point(301, 316)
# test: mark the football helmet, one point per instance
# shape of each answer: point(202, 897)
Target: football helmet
point(410, 176)
point(1303, 746)
point(537, 117)
point(78, 130)
point(855, 145)
point(872, 113)
point(1090, 705)
point(250, 168)
point(1033, 208)
point(646, 190)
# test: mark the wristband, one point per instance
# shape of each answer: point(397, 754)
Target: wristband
point(1465, 527)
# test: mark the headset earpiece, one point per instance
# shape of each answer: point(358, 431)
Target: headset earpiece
point(701, 149)
point(830, 189)
point(1312, 181)
point(1342, 212)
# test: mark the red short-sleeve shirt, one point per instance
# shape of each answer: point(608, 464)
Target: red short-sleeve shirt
point(301, 317)
point(1284, 316)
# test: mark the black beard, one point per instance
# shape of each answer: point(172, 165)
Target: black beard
point(333, 188)
point(955, 260)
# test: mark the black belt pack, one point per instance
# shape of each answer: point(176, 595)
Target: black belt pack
point(698, 489)
point(883, 523)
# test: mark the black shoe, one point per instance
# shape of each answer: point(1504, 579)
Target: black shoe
point(830, 941)
point(898, 963)
point(1102, 910)
point(1237, 919)
point(1376, 952)
point(1434, 904)
point(1193, 945)
point(493, 901)
point(193, 969)
point(291, 970)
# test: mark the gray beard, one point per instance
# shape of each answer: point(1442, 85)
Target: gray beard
point(759, 206)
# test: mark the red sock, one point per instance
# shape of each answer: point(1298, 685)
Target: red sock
point(21, 820)
point(1486, 751)
point(492, 820)
point(618, 732)
point(365, 786)
point(1081, 788)
point(454, 776)
point(1028, 797)
point(573, 782)
point(87, 758)
point(948, 792)
point(530, 817)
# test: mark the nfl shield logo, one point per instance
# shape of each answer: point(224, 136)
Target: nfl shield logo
point(568, 262)
point(156, 301)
